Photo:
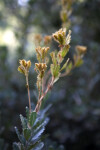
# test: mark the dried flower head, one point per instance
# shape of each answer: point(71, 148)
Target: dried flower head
point(81, 49)
point(47, 40)
point(24, 66)
point(38, 39)
point(60, 36)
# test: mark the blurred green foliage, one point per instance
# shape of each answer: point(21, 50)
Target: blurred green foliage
point(75, 113)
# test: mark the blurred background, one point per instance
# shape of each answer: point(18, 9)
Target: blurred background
point(75, 112)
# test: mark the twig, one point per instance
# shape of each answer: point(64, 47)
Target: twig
point(27, 84)
point(37, 108)
point(46, 77)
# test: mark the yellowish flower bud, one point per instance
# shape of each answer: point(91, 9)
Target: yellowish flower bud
point(41, 52)
point(28, 64)
point(60, 36)
point(21, 69)
point(81, 49)
point(38, 39)
point(41, 66)
point(24, 66)
point(47, 40)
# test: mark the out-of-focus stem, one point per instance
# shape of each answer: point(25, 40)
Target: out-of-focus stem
point(27, 84)
point(42, 86)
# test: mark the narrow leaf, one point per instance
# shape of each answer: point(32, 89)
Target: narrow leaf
point(23, 121)
point(27, 133)
point(21, 137)
point(65, 50)
point(65, 65)
point(16, 146)
point(32, 118)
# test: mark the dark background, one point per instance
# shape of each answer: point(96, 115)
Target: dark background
point(75, 112)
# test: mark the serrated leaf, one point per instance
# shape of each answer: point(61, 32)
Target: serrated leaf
point(32, 118)
point(23, 121)
point(27, 133)
point(65, 65)
point(21, 137)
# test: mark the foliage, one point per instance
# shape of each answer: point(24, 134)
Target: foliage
point(75, 113)
point(33, 125)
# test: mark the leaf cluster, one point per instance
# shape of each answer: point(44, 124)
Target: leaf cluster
point(33, 125)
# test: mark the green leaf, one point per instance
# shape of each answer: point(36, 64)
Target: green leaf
point(65, 51)
point(32, 118)
point(70, 65)
point(27, 113)
point(38, 132)
point(27, 133)
point(37, 146)
point(21, 69)
point(55, 70)
point(33, 145)
point(21, 137)
point(23, 121)
point(79, 63)
point(65, 65)
point(52, 69)
point(16, 146)
point(53, 56)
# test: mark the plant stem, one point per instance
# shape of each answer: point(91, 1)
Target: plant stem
point(27, 84)
point(37, 108)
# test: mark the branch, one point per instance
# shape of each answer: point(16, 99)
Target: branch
point(37, 108)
